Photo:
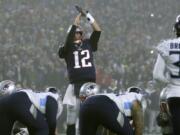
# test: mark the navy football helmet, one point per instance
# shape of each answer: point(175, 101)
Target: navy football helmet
point(177, 25)
point(137, 90)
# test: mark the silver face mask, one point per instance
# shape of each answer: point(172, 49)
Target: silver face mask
point(89, 89)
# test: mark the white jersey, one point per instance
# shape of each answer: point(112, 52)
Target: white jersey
point(125, 101)
point(39, 99)
point(167, 67)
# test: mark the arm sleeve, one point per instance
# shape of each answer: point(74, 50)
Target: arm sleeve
point(69, 40)
point(51, 112)
point(159, 70)
point(94, 39)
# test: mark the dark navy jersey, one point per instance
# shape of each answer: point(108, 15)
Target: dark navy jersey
point(79, 57)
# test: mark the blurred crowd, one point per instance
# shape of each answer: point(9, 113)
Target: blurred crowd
point(31, 32)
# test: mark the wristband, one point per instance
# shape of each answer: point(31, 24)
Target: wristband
point(90, 18)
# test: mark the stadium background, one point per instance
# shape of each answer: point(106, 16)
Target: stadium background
point(31, 29)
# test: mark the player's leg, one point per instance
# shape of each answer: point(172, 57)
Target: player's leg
point(6, 124)
point(87, 123)
point(174, 107)
point(72, 115)
point(25, 112)
point(6, 119)
point(51, 113)
point(113, 119)
point(73, 104)
point(106, 113)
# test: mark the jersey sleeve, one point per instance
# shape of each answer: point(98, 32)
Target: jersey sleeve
point(94, 39)
point(160, 69)
point(69, 40)
point(163, 48)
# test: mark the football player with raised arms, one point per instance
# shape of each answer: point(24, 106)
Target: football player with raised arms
point(78, 54)
point(37, 111)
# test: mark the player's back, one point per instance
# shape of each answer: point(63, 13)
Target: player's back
point(125, 101)
point(170, 51)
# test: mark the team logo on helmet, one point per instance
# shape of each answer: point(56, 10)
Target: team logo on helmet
point(89, 89)
point(7, 87)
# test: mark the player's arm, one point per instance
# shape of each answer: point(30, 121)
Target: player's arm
point(93, 22)
point(159, 69)
point(63, 49)
point(70, 37)
point(94, 38)
point(137, 116)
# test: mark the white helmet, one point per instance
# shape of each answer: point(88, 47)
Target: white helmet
point(89, 89)
point(7, 87)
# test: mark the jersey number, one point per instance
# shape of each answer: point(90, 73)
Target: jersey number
point(84, 60)
point(177, 63)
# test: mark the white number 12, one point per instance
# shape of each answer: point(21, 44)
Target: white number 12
point(84, 62)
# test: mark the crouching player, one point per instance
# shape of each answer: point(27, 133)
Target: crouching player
point(113, 112)
point(37, 111)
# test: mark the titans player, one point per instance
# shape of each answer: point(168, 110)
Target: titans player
point(113, 112)
point(78, 55)
point(167, 69)
point(37, 111)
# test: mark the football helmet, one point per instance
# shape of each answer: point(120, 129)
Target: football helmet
point(52, 89)
point(137, 90)
point(89, 89)
point(7, 87)
point(134, 89)
point(78, 29)
point(177, 25)
point(144, 94)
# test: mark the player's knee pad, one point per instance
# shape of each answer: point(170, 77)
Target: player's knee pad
point(72, 114)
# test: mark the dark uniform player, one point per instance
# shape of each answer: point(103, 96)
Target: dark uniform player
point(113, 112)
point(78, 54)
point(37, 111)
